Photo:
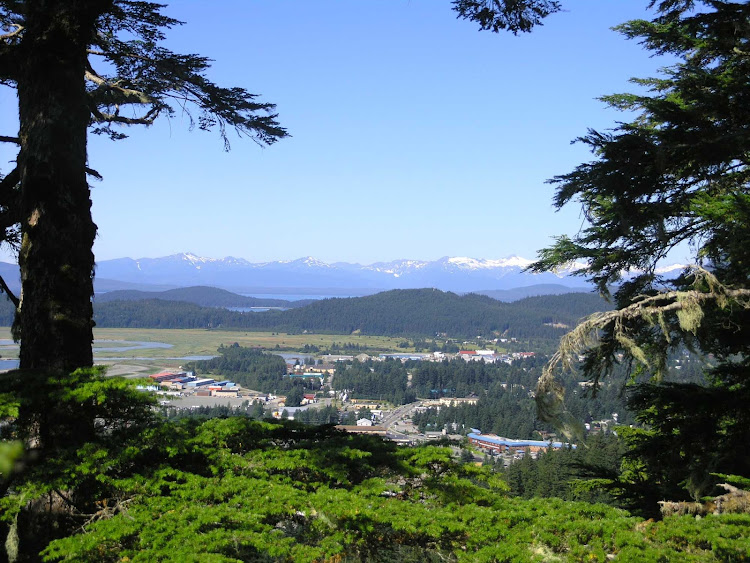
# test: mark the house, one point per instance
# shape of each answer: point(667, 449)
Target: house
point(364, 422)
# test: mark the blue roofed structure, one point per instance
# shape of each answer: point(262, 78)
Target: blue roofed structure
point(500, 445)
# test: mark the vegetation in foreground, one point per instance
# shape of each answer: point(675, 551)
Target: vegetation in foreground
point(138, 488)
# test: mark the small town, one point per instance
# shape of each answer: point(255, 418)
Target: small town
point(185, 390)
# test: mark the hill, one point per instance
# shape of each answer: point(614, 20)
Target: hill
point(531, 291)
point(200, 295)
point(423, 312)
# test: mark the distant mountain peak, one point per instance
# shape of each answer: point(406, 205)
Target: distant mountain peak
point(195, 259)
point(670, 268)
point(477, 264)
point(457, 274)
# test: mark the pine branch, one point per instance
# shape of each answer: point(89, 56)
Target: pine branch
point(110, 93)
point(146, 119)
point(9, 59)
point(12, 296)
point(15, 33)
point(686, 305)
point(8, 183)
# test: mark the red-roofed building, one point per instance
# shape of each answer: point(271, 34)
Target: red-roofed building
point(165, 375)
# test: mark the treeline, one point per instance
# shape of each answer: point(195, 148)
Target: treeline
point(247, 409)
point(458, 378)
point(249, 367)
point(198, 295)
point(563, 473)
point(506, 412)
point(506, 405)
point(378, 381)
point(393, 313)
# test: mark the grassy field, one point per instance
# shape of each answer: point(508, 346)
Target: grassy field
point(198, 342)
point(195, 342)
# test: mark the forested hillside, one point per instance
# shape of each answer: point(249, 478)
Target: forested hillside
point(422, 312)
point(200, 295)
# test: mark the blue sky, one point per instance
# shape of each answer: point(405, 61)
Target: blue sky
point(413, 134)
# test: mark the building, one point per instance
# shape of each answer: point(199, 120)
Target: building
point(227, 392)
point(201, 382)
point(166, 376)
point(500, 445)
point(371, 430)
point(456, 401)
point(414, 356)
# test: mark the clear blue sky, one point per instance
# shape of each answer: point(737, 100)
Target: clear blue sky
point(413, 134)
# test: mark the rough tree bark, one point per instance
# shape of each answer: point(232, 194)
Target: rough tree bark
point(55, 322)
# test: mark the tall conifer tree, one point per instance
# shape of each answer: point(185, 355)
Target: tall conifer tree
point(675, 175)
point(77, 66)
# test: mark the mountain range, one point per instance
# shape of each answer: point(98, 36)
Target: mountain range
point(308, 276)
point(311, 276)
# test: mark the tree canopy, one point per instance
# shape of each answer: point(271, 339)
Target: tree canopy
point(675, 175)
point(82, 67)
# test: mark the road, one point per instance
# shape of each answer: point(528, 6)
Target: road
point(399, 413)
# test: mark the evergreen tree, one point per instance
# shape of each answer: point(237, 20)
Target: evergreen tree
point(76, 65)
point(677, 173)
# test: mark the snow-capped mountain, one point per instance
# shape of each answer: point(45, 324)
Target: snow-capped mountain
point(458, 274)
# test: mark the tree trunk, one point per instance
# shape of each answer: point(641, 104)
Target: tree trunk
point(55, 317)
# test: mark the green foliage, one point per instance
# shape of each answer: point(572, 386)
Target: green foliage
point(512, 16)
point(392, 313)
point(249, 367)
point(237, 490)
point(10, 451)
point(567, 473)
point(677, 173)
point(72, 427)
point(199, 295)
point(380, 381)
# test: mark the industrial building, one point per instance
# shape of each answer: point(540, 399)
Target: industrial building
point(500, 445)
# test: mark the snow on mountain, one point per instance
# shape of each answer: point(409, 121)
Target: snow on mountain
point(397, 268)
point(195, 260)
point(672, 268)
point(459, 274)
point(474, 264)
